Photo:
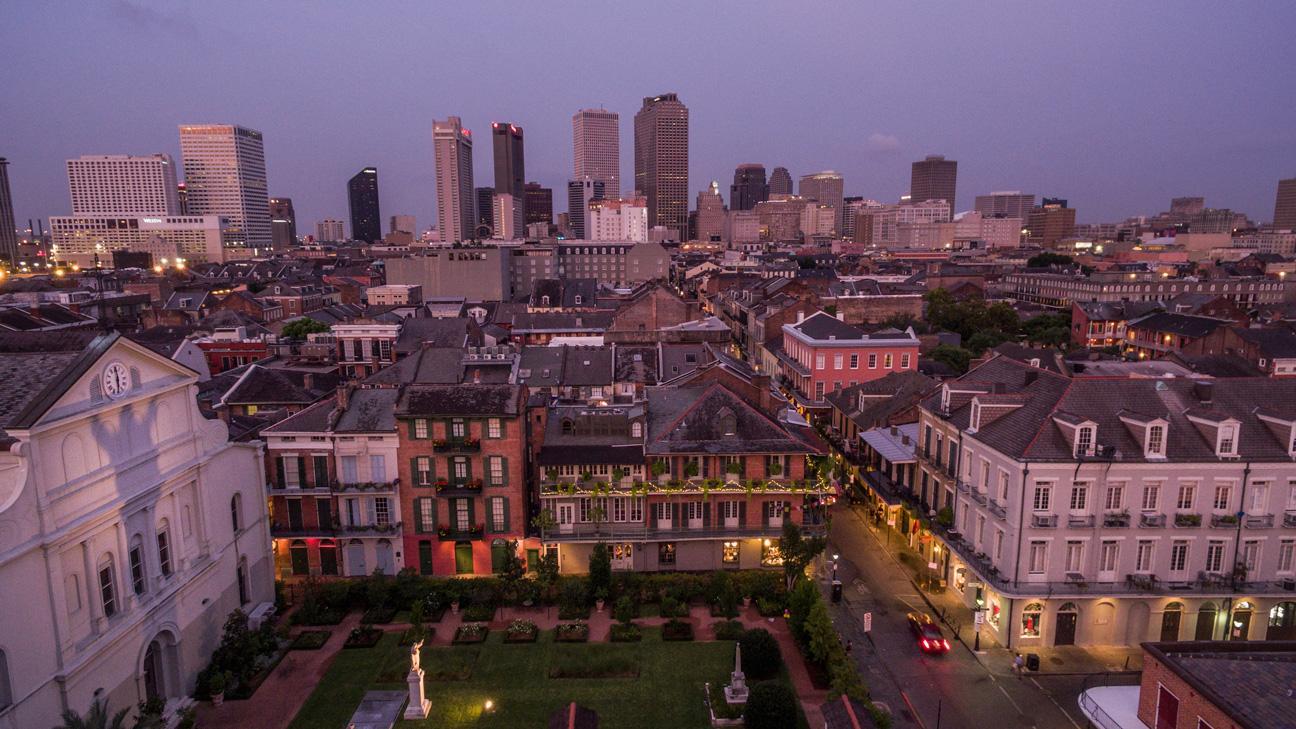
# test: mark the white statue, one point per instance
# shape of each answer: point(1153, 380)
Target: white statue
point(736, 691)
point(414, 656)
point(418, 705)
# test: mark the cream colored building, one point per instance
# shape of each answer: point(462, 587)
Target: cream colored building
point(195, 238)
point(122, 184)
point(130, 527)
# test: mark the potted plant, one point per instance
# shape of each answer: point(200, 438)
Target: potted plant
point(658, 468)
point(216, 687)
point(691, 469)
point(454, 605)
point(600, 597)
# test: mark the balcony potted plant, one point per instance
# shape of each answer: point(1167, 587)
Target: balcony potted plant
point(775, 468)
point(618, 475)
point(691, 469)
point(658, 469)
point(216, 686)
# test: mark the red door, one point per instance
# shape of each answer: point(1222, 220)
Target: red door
point(1167, 710)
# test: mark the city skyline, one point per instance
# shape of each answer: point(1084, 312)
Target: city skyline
point(1231, 147)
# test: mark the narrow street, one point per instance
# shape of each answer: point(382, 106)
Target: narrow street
point(953, 691)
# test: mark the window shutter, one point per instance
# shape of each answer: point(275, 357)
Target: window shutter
point(419, 527)
point(675, 515)
point(765, 508)
point(652, 514)
point(504, 472)
point(503, 428)
point(414, 472)
point(279, 471)
point(472, 513)
point(742, 513)
point(706, 513)
point(301, 471)
point(508, 522)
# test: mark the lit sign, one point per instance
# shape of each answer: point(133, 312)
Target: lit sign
point(151, 220)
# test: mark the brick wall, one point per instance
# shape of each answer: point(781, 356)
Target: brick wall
point(1191, 704)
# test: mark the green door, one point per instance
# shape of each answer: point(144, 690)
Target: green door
point(425, 557)
point(463, 558)
point(499, 553)
point(533, 560)
point(300, 559)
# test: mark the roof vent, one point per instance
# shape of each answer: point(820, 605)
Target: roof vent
point(1204, 391)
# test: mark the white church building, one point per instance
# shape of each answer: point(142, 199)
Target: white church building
point(130, 527)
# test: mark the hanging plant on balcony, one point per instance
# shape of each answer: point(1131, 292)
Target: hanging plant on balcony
point(691, 469)
point(658, 468)
point(601, 488)
point(775, 468)
point(618, 474)
point(552, 474)
point(585, 476)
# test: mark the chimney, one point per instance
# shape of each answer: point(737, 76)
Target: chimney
point(1204, 391)
point(1031, 376)
point(894, 430)
point(904, 439)
point(841, 316)
point(800, 316)
point(343, 396)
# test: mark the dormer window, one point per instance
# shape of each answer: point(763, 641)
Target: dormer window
point(544, 300)
point(1226, 443)
point(636, 429)
point(945, 398)
point(578, 298)
point(975, 421)
point(727, 421)
point(1084, 440)
point(1155, 442)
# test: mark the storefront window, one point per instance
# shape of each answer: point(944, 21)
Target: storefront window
point(622, 551)
point(770, 554)
point(992, 614)
point(729, 552)
point(1031, 620)
point(666, 553)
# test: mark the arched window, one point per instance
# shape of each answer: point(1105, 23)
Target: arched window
point(108, 597)
point(636, 429)
point(164, 547)
point(567, 427)
point(74, 463)
point(728, 422)
point(236, 512)
point(6, 693)
point(1030, 620)
point(139, 577)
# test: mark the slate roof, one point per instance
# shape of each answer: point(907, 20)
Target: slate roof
point(682, 358)
point(1049, 359)
point(58, 340)
point(636, 364)
point(684, 420)
point(587, 366)
point(1117, 310)
point(369, 411)
point(559, 322)
point(1274, 343)
point(892, 394)
point(316, 418)
point(1184, 325)
point(823, 326)
point(610, 442)
point(432, 332)
point(428, 365)
point(1249, 681)
point(1030, 432)
point(254, 384)
point(475, 400)
point(540, 366)
point(31, 381)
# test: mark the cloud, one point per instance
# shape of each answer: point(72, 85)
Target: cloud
point(880, 142)
point(138, 14)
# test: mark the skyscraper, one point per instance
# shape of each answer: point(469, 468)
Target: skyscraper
point(8, 235)
point(1284, 217)
point(225, 175)
point(780, 182)
point(1049, 223)
point(1011, 204)
point(661, 161)
point(710, 220)
point(539, 204)
point(485, 206)
point(596, 148)
point(123, 184)
point(329, 230)
point(510, 172)
point(934, 178)
point(283, 223)
point(454, 179)
point(748, 187)
point(182, 197)
point(362, 194)
point(579, 194)
point(827, 187)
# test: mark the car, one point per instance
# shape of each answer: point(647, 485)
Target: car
point(930, 638)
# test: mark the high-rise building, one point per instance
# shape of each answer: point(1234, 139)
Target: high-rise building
point(1187, 205)
point(505, 216)
point(91, 240)
point(454, 178)
point(225, 175)
point(510, 171)
point(711, 214)
point(749, 187)
point(329, 230)
point(596, 148)
point(539, 204)
point(1050, 222)
point(827, 187)
point(934, 178)
point(620, 220)
point(403, 224)
point(579, 194)
point(485, 205)
point(780, 182)
point(362, 194)
point(123, 184)
point(661, 161)
point(182, 198)
point(283, 223)
point(1009, 204)
point(8, 231)
point(1284, 217)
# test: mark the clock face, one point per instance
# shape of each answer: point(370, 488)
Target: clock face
point(116, 379)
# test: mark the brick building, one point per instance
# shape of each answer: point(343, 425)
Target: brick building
point(821, 354)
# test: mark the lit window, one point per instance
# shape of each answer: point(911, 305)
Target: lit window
point(729, 552)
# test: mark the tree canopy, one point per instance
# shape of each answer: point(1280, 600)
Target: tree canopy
point(299, 328)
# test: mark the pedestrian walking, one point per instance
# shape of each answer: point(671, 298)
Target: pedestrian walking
point(1018, 665)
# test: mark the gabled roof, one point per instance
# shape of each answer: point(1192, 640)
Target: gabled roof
point(317, 418)
point(474, 400)
point(823, 326)
point(432, 332)
point(369, 411)
point(1184, 325)
point(1273, 342)
point(688, 420)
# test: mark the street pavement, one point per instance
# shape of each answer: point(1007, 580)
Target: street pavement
point(952, 691)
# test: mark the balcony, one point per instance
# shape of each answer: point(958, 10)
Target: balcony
point(458, 487)
point(370, 530)
point(1289, 519)
point(1187, 520)
point(979, 497)
point(447, 534)
point(642, 532)
point(1262, 521)
point(1116, 520)
point(378, 486)
point(279, 531)
point(998, 509)
point(963, 486)
point(1152, 521)
point(1223, 521)
point(457, 445)
point(1080, 521)
point(1044, 521)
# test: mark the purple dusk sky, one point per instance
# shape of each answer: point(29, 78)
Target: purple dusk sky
point(1114, 105)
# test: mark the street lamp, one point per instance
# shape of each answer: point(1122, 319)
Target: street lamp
point(836, 557)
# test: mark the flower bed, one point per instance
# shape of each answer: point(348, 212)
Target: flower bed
point(470, 634)
point(521, 631)
point(317, 614)
point(479, 613)
point(310, 640)
point(378, 616)
point(677, 630)
point(572, 633)
point(364, 636)
point(573, 612)
point(407, 635)
point(626, 633)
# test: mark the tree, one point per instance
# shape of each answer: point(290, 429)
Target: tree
point(800, 601)
point(299, 328)
point(600, 570)
point(956, 358)
point(1048, 258)
point(760, 654)
point(770, 705)
point(97, 718)
point(547, 570)
point(798, 551)
point(512, 570)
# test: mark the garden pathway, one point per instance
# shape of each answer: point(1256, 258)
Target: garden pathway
point(281, 696)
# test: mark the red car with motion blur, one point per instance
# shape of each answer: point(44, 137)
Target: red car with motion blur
point(930, 639)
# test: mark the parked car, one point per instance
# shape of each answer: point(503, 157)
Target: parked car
point(928, 634)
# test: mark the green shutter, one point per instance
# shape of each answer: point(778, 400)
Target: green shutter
point(742, 513)
point(279, 471)
point(503, 428)
point(504, 477)
point(425, 557)
point(414, 473)
point(508, 523)
point(706, 513)
point(419, 527)
point(472, 513)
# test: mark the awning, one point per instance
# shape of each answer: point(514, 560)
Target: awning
point(892, 446)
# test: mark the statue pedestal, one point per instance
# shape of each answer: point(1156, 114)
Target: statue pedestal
point(736, 691)
point(418, 705)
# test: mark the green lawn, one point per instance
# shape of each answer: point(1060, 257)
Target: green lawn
point(666, 693)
